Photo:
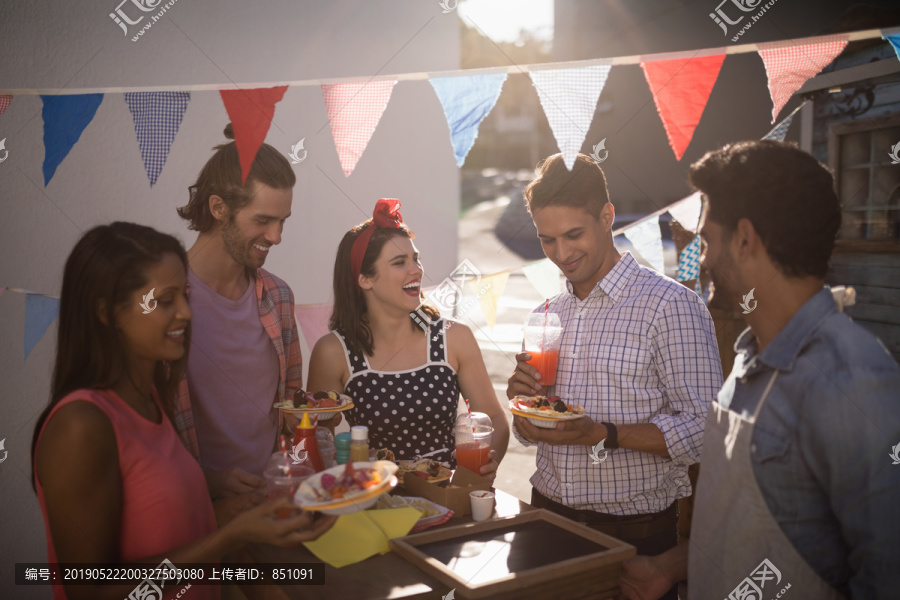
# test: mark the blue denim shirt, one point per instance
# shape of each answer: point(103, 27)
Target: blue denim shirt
point(822, 443)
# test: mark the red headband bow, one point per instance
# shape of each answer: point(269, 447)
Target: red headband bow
point(385, 216)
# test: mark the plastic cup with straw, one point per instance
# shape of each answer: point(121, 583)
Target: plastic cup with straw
point(543, 335)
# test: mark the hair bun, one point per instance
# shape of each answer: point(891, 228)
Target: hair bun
point(229, 131)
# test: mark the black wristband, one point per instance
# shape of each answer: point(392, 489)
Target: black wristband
point(612, 436)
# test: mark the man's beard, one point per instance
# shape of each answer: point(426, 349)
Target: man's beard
point(239, 247)
point(725, 294)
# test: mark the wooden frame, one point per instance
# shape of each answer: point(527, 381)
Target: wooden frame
point(586, 576)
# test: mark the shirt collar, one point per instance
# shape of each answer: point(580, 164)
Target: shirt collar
point(782, 353)
point(613, 285)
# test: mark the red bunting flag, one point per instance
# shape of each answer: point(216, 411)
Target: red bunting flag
point(5, 101)
point(680, 89)
point(354, 110)
point(251, 113)
point(789, 65)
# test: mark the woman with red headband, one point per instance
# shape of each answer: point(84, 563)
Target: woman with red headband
point(405, 382)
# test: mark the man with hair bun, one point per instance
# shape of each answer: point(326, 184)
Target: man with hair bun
point(245, 350)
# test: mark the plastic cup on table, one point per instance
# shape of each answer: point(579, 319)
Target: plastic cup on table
point(327, 449)
point(482, 504)
point(473, 433)
point(283, 480)
point(543, 334)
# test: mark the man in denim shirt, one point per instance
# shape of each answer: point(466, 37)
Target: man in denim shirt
point(797, 489)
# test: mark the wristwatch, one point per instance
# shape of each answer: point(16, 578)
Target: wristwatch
point(612, 437)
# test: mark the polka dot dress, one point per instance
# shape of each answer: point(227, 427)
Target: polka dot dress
point(410, 412)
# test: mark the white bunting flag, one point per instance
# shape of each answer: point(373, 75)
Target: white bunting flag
point(647, 241)
point(569, 98)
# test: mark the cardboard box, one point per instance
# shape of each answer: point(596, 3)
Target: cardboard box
point(454, 496)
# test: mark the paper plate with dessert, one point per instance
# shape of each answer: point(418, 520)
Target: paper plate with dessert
point(346, 488)
point(324, 405)
point(545, 412)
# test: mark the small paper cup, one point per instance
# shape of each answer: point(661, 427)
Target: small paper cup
point(482, 504)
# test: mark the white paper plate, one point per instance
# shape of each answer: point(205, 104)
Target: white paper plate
point(306, 498)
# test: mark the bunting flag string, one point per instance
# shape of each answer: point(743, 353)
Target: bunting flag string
point(569, 99)
point(251, 112)
point(544, 276)
point(790, 64)
point(779, 132)
point(680, 91)
point(680, 82)
point(488, 290)
point(157, 116)
point(466, 102)
point(65, 118)
point(354, 110)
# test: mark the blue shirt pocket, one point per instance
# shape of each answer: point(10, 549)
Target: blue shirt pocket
point(773, 456)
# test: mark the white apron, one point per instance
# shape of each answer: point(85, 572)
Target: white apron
point(738, 551)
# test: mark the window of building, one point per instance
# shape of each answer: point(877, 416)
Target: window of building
point(867, 177)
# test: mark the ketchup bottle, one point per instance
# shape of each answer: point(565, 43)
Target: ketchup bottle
point(306, 434)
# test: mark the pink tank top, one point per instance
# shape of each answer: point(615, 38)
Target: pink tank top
point(165, 502)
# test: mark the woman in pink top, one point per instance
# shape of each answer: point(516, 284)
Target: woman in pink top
point(113, 479)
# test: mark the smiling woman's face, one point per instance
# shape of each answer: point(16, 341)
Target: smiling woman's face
point(398, 275)
point(154, 329)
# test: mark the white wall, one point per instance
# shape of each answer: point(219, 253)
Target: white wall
point(74, 44)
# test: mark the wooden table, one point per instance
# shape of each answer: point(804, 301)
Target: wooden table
point(380, 577)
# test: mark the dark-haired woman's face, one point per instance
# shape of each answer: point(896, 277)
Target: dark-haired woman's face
point(153, 322)
point(398, 275)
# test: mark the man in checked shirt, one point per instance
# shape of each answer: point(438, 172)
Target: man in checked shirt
point(638, 352)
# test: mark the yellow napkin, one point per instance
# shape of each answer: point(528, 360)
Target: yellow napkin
point(359, 535)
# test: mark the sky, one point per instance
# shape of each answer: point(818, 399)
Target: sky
point(501, 20)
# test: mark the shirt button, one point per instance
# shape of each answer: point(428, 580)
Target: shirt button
point(574, 355)
point(743, 380)
point(568, 486)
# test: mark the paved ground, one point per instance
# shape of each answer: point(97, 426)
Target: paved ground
point(480, 246)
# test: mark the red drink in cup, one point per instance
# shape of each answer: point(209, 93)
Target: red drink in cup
point(473, 455)
point(472, 433)
point(543, 335)
point(545, 362)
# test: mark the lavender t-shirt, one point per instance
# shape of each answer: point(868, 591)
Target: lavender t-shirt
point(233, 375)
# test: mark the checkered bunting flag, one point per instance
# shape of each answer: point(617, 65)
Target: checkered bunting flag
point(5, 101)
point(689, 261)
point(789, 64)
point(354, 110)
point(779, 131)
point(157, 116)
point(569, 99)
